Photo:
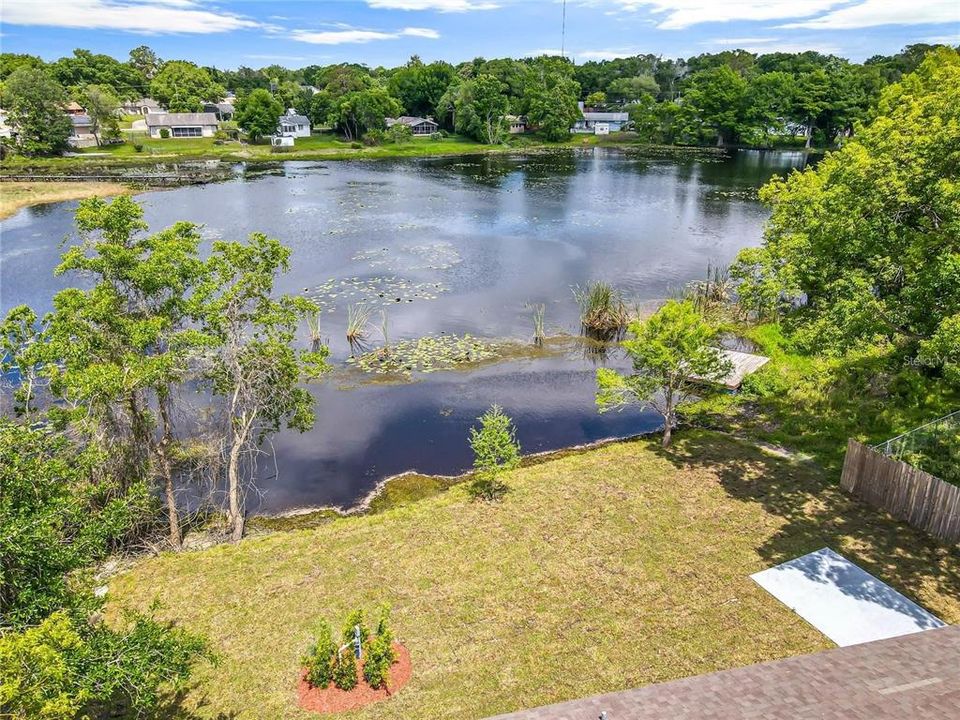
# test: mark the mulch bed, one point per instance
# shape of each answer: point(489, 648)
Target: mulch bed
point(333, 700)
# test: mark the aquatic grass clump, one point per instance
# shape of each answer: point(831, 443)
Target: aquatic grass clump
point(538, 334)
point(426, 354)
point(712, 294)
point(603, 313)
point(313, 324)
point(358, 318)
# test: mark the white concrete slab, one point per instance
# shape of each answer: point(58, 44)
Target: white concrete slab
point(843, 601)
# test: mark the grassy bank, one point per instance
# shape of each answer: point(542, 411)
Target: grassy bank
point(320, 146)
point(813, 404)
point(324, 146)
point(602, 570)
point(17, 195)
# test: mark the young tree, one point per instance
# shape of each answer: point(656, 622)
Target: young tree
point(35, 102)
point(183, 87)
point(258, 114)
point(253, 367)
point(495, 451)
point(673, 355)
point(480, 106)
point(101, 105)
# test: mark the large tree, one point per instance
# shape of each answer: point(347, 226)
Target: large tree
point(35, 101)
point(145, 61)
point(868, 241)
point(85, 68)
point(101, 105)
point(253, 367)
point(258, 113)
point(717, 100)
point(480, 105)
point(551, 98)
point(419, 87)
point(183, 87)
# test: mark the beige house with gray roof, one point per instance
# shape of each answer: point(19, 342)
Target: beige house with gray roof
point(182, 125)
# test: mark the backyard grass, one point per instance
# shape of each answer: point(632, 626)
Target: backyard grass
point(17, 195)
point(602, 570)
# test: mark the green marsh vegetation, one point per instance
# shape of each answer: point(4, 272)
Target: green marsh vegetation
point(603, 311)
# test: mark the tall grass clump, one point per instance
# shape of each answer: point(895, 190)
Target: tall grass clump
point(358, 318)
point(313, 324)
point(538, 334)
point(603, 313)
point(712, 294)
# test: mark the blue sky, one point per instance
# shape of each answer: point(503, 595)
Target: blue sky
point(386, 32)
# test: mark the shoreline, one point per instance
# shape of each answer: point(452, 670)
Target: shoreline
point(367, 504)
point(19, 195)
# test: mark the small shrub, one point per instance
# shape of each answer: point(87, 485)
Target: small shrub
point(356, 146)
point(376, 664)
point(138, 146)
point(164, 133)
point(374, 137)
point(345, 670)
point(379, 652)
point(495, 451)
point(355, 618)
point(436, 136)
point(319, 660)
point(400, 134)
point(220, 135)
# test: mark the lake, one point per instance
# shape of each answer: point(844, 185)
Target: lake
point(449, 245)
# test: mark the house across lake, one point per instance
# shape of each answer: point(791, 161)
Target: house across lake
point(419, 126)
point(181, 125)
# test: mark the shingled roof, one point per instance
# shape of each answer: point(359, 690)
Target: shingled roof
point(169, 119)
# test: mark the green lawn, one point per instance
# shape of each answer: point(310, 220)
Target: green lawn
point(600, 570)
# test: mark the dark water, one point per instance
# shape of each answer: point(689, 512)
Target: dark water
point(453, 245)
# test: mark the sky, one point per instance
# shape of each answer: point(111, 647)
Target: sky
point(295, 33)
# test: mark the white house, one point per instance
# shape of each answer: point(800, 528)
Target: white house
point(517, 124)
point(182, 125)
point(418, 125)
point(81, 132)
point(600, 123)
point(143, 106)
point(293, 125)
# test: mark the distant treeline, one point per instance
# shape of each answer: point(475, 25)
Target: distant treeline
point(728, 97)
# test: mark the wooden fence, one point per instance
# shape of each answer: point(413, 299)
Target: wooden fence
point(907, 493)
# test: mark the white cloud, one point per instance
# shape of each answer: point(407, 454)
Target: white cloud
point(605, 54)
point(148, 17)
point(420, 32)
point(738, 42)
point(438, 5)
point(353, 36)
point(885, 12)
point(682, 14)
point(763, 45)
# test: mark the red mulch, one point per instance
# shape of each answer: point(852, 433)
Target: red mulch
point(333, 700)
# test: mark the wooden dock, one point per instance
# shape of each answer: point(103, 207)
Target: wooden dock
point(743, 364)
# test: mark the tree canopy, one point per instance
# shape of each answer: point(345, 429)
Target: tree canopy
point(867, 242)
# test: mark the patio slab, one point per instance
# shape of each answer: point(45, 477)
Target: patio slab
point(843, 601)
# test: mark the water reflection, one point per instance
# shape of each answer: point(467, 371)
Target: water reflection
point(455, 245)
